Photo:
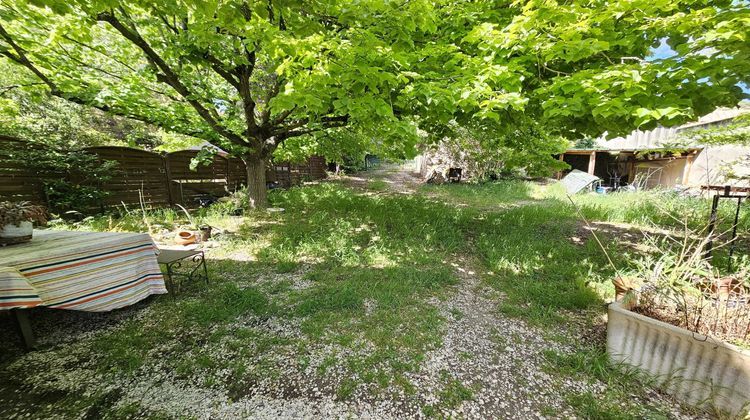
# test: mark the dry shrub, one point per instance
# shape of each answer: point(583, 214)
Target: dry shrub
point(680, 286)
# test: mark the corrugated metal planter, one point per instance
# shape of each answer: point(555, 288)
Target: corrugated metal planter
point(694, 368)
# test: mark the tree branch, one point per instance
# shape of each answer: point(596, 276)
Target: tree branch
point(218, 67)
point(115, 59)
point(297, 133)
point(282, 116)
point(164, 20)
point(205, 55)
point(244, 72)
point(326, 122)
point(170, 77)
point(5, 89)
point(22, 59)
point(273, 90)
point(113, 75)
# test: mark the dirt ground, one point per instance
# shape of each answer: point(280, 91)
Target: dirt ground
point(501, 357)
point(498, 360)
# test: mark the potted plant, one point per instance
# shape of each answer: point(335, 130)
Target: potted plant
point(17, 221)
point(686, 324)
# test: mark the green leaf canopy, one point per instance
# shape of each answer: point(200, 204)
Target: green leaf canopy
point(249, 75)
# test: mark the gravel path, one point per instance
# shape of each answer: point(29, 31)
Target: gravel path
point(400, 179)
point(487, 366)
point(499, 358)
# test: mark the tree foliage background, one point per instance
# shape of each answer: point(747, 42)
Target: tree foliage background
point(257, 77)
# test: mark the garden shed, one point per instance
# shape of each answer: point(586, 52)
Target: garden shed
point(659, 157)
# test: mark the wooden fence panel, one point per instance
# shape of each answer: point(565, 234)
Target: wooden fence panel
point(17, 182)
point(237, 174)
point(317, 166)
point(205, 181)
point(160, 179)
point(137, 173)
point(282, 174)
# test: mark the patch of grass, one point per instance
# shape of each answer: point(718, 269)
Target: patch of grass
point(548, 411)
point(38, 402)
point(181, 324)
point(372, 264)
point(226, 303)
point(328, 362)
point(484, 196)
point(346, 389)
point(339, 289)
point(663, 208)
point(536, 265)
point(456, 313)
point(623, 383)
point(452, 395)
point(377, 185)
point(589, 406)
point(455, 393)
point(282, 267)
point(335, 225)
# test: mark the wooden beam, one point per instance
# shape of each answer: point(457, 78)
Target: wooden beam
point(561, 158)
point(688, 166)
point(631, 169)
point(168, 178)
point(24, 328)
point(592, 163)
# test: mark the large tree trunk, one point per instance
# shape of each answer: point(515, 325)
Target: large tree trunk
point(256, 182)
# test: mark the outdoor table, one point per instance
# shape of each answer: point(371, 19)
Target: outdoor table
point(172, 259)
point(82, 271)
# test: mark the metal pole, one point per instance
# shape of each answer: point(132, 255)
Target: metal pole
point(712, 226)
point(734, 233)
point(168, 178)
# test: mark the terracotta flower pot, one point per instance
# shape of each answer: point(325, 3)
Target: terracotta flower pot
point(185, 237)
point(625, 291)
point(724, 287)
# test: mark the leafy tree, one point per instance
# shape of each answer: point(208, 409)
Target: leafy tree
point(579, 68)
point(27, 112)
point(245, 76)
point(491, 150)
point(737, 131)
point(347, 146)
point(248, 76)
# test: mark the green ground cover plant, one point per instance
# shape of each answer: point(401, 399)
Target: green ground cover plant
point(363, 274)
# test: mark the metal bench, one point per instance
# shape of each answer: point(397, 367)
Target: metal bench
point(173, 259)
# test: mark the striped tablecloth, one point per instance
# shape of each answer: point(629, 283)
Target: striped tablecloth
point(83, 271)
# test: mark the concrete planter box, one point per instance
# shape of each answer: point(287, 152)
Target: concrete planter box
point(12, 234)
point(694, 368)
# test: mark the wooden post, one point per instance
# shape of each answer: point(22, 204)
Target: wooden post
point(24, 328)
point(592, 162)
point(168, 174)
point(686, 171)
point(227, 175)
point(631, 169)
point(561, 158)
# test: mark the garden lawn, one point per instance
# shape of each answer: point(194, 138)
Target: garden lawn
point(348, 303)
